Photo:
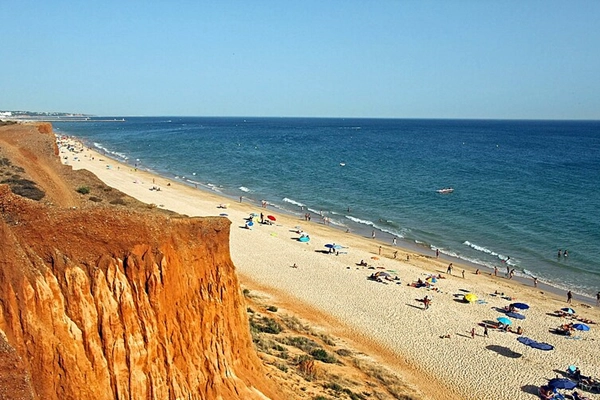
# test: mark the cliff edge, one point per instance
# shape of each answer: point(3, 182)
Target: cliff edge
point(113, 300)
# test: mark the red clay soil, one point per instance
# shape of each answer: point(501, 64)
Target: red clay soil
point(108, 298)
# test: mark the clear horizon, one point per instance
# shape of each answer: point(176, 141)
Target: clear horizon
point(390, 59)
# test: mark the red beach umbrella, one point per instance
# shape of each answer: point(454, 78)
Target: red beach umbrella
point(272, 218)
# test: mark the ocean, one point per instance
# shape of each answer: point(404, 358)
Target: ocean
point(522, 189)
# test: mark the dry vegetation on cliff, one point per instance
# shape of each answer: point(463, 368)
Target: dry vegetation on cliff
point(310, 364)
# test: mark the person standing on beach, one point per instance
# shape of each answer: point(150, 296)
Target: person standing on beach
point(373, 234)
point(463, 274)
point(485, 331)
point(472, 333)
point(534, 281)
point(449, 269)
point(598, 299)
point(437, 253)
point(569, 297)
point(379, 250)
point(394, 242)
point(495, 271)
point(396, 255)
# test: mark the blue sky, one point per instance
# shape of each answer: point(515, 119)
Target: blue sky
point(377, 58)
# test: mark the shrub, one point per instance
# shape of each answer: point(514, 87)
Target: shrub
point(118, 201)
point(282, 367)
point(95, 199)
point(272, 308)
point(322, 355)
point(83, 190)
point(24, 187)
point(266, 325)
point(343, 352)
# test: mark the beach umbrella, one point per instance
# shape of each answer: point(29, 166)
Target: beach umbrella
point(504, 320)
point(562, 383)
point(272, 218)
point(568, 310)
point(581, 327)
point(250, 223)
point(520, 306)
point(334, 246)
point(536, 345)
point(470, 297)
point(515, 315)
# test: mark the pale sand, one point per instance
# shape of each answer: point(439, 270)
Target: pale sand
point(386, 315)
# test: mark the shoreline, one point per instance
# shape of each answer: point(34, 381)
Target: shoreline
point(387, 314)
point(383, 238)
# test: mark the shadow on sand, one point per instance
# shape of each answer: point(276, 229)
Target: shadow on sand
point(504, 351)
point(531, 389)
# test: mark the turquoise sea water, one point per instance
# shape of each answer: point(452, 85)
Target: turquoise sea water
point(522, 189)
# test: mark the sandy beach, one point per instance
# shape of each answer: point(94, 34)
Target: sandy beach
point(433, 348)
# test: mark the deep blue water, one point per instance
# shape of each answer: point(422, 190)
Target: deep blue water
point(522, 189)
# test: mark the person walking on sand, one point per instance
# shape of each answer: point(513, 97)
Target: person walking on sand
point(426, 302)
point(396, 255)
point(373, 235)
point(598, 299)
point(569, 297)
point(472, 333)
point(495, 271)
point(463, 274)
point(485, 331)
point(449, 269)
point(534, 281)
point(437, 253)
point(379, 250)
point(394, 242)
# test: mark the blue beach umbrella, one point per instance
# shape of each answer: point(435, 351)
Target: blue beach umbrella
point(536, 345)
point(515, 315)
point(504, 320)
point(568, 310)
point(581, 327)
point(520, 306)
point(562, 383)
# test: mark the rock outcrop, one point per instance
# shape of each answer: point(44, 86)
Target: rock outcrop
point(116, 303)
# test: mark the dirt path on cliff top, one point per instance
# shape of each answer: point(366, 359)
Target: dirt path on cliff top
point(28, 148)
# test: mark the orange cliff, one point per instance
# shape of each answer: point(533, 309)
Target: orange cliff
point(116, 302)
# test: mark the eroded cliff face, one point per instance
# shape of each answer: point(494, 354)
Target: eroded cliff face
point(115, 303)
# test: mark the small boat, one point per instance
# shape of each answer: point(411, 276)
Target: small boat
point(445, 190)
point(342, 164)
